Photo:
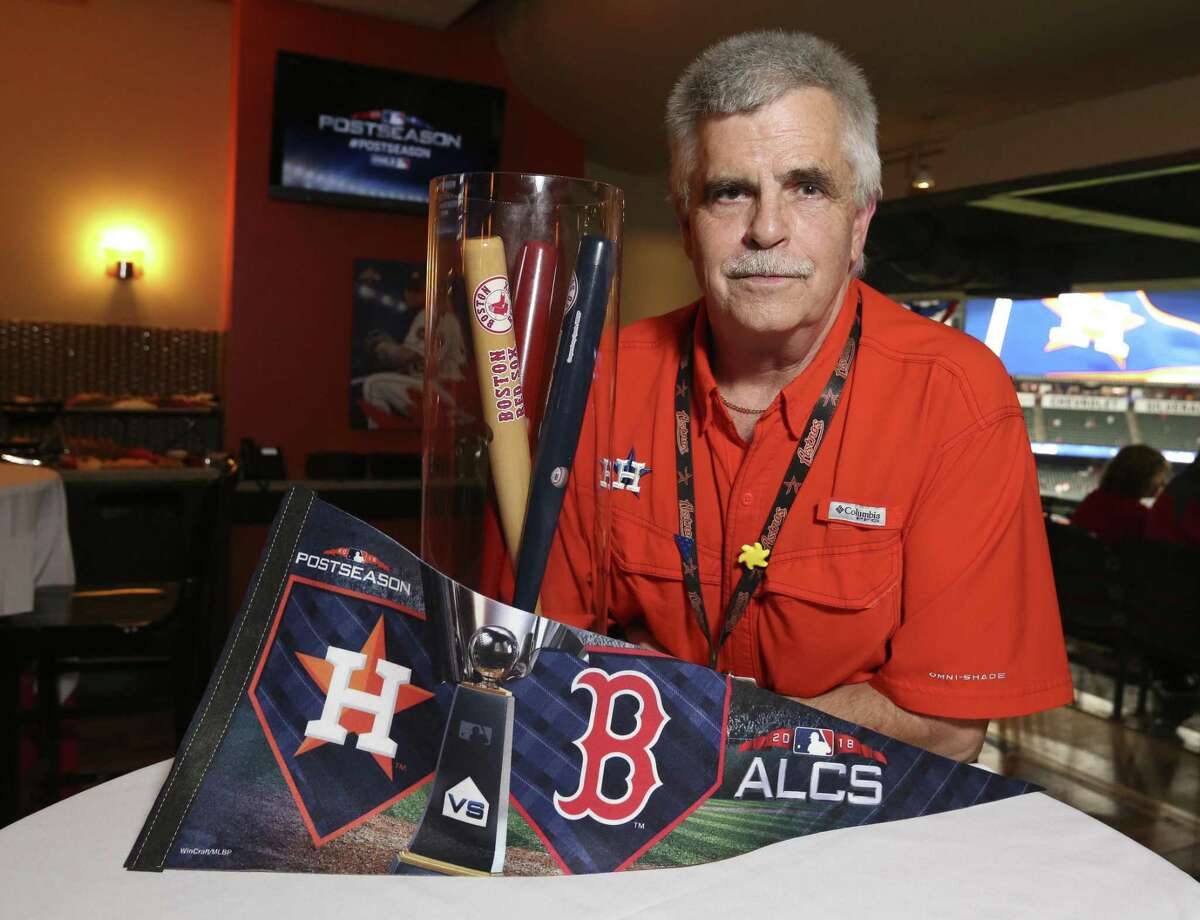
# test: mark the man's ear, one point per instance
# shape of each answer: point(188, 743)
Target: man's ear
point(685, 232)
point(858, 234)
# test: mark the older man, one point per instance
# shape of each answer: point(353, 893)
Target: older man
point(822, 491)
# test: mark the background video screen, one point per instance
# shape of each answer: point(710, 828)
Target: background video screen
point(361, 136)
point(1112, 336)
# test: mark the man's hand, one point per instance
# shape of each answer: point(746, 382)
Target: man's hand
point(638, 634)
point(960, 739)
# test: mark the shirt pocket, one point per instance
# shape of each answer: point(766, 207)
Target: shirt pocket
point(647, 583)
point(848, 576)
point(827, 614)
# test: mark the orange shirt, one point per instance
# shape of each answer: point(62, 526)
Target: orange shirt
point(946, 606)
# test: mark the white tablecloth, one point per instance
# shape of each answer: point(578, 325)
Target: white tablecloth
point(1025, 857)
point(35, 548)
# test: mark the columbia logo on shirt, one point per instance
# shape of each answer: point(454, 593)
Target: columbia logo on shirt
point(870, 515)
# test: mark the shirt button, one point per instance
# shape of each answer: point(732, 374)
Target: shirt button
point(747, 499)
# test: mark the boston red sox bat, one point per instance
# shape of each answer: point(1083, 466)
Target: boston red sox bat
point(533, 289)
point(499, 369)
point(574, 361)
point(532, 292)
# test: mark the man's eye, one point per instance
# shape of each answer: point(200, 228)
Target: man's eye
point(811, 189)
point(727, 193)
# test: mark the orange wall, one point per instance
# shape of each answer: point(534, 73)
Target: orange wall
point(116, 112)
point(288, 348)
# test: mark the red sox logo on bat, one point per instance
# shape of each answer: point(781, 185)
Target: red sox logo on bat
point(493, 310)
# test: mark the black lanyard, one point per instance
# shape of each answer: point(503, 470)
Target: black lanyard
point(793, 478)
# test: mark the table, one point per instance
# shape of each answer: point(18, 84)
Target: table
point(1025, 857)
point(35, 547)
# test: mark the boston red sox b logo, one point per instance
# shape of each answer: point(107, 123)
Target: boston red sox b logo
point(600, 744)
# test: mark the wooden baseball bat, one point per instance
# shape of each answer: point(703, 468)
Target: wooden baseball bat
point(574, 362)
point(533, 286)
point(531, 294)
point(500, 390)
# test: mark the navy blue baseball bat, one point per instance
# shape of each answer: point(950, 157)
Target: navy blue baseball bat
point(562, 420)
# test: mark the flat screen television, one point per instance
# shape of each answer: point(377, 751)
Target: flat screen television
point(1122, 337)
point(358, 136)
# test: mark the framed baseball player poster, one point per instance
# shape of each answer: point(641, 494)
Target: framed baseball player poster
point(387, 345)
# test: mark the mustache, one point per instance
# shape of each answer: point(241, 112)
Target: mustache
point(767, 263)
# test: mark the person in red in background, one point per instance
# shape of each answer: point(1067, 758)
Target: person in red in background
point(1175, 517)
point(1114, 511)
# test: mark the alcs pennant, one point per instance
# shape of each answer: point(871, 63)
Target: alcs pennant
point(331, 716)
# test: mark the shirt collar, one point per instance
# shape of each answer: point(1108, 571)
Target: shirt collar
point(704, 385)
point(795, 404)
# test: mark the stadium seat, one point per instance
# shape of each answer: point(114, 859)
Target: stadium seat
point(1076, 426)
point(1169, 432)
point(1162, 590)
point(1091, 599)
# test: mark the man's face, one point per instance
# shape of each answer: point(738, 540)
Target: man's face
point(773, 231)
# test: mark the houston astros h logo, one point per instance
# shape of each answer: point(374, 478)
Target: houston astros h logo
point(600, 744)
point(341, 696)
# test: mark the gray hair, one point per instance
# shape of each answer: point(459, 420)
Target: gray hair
point(745, 72)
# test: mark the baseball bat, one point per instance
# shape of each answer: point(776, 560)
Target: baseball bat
point(531, 294)
point(499, 368)
point(574, 362)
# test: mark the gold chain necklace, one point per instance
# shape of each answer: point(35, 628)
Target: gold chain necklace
point(741, 409)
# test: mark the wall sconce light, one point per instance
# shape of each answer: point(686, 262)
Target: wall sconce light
point(124, 253)
point(124, 264)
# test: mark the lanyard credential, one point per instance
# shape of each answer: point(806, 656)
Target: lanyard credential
point(754, 558)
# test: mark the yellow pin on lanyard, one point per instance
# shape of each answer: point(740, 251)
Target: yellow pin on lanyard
point(753, 556)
